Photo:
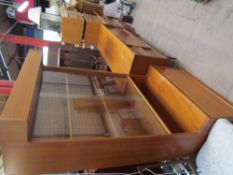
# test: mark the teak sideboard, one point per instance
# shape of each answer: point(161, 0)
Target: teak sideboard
point(123, 51)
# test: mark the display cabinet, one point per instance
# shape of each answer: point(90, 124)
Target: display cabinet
point(60, 119)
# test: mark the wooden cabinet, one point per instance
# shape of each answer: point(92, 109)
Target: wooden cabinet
point(122, 51)
point(60, 119)
point(127, 59)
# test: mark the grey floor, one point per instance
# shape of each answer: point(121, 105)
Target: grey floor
point(199, 35)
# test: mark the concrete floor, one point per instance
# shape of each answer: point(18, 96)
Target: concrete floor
point(199, 35)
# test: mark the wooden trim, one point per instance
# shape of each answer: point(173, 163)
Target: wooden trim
point(68, 107)
point(23, 88)
point(83, 71)
point(23, 159)
point(21, 103)
point(149, 105)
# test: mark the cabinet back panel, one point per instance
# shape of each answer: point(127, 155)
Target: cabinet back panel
point(185, 113)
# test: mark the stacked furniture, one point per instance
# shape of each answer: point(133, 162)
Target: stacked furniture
point(122, 51)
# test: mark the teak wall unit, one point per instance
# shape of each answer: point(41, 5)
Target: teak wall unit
point(124, 127)
point(122, 51)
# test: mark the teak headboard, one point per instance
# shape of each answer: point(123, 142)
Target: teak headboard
point(183, 102)
point(183, 111)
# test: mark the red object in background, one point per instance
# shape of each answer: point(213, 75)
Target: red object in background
point(24, 40)
point(24, 15)
point(6, 86)
point(4, 83)
point(5, 90)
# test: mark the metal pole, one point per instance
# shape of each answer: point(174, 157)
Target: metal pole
point(24, 40)
point(4, 69)
point(7, 32)
point(6, 4)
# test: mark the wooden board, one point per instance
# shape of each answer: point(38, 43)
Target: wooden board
point(93, 24)
point(141, 63)
point(32, 65)
point(206, 99)
point(24, 159)
point(72, 28)
point(116, 54)
point(186, 114)
point(21, 103)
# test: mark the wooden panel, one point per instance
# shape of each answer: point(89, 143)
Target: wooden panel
point(112, 43)
point(83, 71)
point(164, 115)
point(150, 120)
point(144, 57)
point(72, 28)
point(139, 81)
point(141, 63)
point(92, 30)
point(20, 105)
point(23, 88)
point(24, 159)
point(117, 55)
point(206, 99)
point(87, 103)
point(186, 114)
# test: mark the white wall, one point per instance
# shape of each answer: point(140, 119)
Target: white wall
point(199, 35)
